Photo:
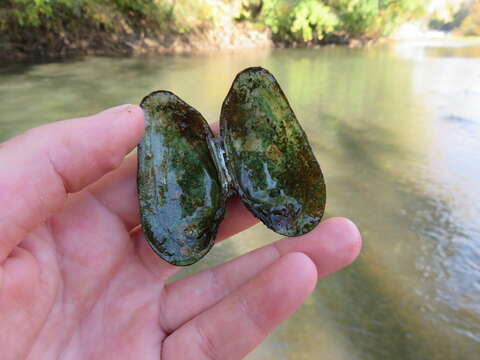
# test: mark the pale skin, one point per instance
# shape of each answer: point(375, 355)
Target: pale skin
point(78, 281)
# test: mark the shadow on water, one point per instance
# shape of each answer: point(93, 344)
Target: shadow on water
point(396, 133)
point(472, 51)
point(411, 295)
point(391, 303)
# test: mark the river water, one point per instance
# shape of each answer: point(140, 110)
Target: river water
point(396, 129)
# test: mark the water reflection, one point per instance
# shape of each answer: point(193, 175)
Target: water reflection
point(397, 132)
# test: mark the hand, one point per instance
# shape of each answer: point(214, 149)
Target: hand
point(77, 283)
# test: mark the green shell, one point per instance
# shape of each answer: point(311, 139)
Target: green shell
point(185, 174)
point(269, 157)
point(180, 194)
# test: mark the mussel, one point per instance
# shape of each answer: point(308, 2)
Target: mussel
point(185, 173)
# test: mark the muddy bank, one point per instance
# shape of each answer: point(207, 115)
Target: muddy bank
point(50, 46)
point(77, 39)
point(40, 43)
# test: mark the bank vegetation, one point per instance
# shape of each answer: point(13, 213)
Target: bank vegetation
point(46, 28)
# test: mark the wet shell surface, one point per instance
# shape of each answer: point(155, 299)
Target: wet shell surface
point(185, 175)
point(180, 194)
point(269, 157)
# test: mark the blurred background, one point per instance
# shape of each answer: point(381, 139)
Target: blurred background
point(388, 93)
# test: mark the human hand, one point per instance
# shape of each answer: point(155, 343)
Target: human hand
point(77, 281)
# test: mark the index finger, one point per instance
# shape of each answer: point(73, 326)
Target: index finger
point(40, 167)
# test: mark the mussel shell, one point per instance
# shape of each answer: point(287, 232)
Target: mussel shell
point(180, 195)
point(269, 157)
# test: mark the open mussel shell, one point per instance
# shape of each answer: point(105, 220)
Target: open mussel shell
point(185, 174)
point(180, 195)
point(269, 157)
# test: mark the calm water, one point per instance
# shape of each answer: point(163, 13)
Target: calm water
point(397, 132)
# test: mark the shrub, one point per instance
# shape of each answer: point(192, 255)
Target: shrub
point(471, 24)
point(306, 20)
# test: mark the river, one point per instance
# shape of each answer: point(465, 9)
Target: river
point(396, 129)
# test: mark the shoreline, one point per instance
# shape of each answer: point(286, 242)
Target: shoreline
point(59, 30)
point(233, 38)
point(136, 43)
point(207, 43)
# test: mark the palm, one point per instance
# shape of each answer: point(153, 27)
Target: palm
point(78, 280)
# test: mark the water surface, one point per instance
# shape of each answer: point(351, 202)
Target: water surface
point(397, 132)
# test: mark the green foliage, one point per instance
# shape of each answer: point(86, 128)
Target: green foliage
point(275, 15)
point(50, 13)
point(192, 15)
point(357, 16)
point(249, 10)
point(288, 20)
point(30, 12)
point(301, 20)
point(449, 16)
point(307, 20)
point(178, 16)
point(471, 24)
point(375, 17)
point(311, 17)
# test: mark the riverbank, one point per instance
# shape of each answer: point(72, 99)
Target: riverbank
point(46, 29)
point(108, 29)
point(134, 43)
point(238, 37)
